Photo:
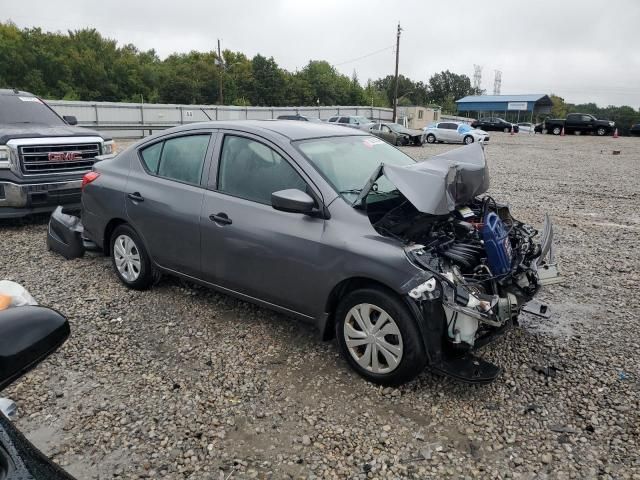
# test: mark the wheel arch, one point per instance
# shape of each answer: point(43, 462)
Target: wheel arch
point(339, 291)
point(108, 230)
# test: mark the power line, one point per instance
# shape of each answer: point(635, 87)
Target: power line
point(364, 56)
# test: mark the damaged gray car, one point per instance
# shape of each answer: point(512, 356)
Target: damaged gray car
point(406, 264)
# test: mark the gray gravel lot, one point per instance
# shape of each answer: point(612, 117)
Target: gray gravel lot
point(182, 382)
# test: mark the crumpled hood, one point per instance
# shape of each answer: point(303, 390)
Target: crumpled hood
point(37, 130)
point(438, 185)
point(409, 131)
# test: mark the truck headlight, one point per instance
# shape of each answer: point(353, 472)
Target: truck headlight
point(109, 147)
point(5, 157)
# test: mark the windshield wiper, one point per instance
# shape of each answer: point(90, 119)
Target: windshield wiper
point(351, 190)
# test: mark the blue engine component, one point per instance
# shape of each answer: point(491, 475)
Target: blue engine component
point(497, 244)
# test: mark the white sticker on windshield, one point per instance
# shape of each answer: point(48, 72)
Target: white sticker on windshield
point(30, 99)
point(370, 142)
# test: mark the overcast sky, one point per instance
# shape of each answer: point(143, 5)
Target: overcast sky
point(582, 50)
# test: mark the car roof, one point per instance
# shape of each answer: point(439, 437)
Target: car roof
point(9, 91)
point(285, 128)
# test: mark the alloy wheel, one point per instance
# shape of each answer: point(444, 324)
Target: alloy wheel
point(373, 338)
point(127, 258)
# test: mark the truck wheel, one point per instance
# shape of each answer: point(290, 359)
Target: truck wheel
point(378, 337)
point(431, 138)
point(577, 132)
point(601, 131)
point(468, 140)
point(556, 130)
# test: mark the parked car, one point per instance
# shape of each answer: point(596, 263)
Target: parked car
point(454, 132)
point(539, 128)
point(526, 127)
point(635, 129)
point(495, 124)
point(329, 225)
point(42, 156)
point(579, 123)
point(396, 134)
point(301, 118)
point(353, 121)
point(28, 335)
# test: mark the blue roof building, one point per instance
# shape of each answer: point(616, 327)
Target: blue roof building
point(533, 103)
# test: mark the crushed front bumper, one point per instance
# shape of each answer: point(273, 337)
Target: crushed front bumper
point(20, 199)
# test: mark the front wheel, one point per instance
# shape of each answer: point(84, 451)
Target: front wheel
point(378, 337)
point(601, 132)
point(468, 140)
point(506, 130)
point(130, 259)
point(431, 138)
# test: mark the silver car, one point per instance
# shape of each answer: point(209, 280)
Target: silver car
point(454, 132)
point(353, 121)
point(405, 263)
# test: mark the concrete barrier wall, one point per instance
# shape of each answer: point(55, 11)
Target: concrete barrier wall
point(135, 120)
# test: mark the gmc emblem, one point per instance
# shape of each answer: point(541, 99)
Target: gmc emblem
point(64, 156)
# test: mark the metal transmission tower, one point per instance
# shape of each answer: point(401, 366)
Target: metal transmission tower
point(497, 82)
point(477, 77)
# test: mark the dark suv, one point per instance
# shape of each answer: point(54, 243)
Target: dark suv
point(42, 155)
point(495, 124)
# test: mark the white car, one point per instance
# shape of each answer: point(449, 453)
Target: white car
point(454, 132)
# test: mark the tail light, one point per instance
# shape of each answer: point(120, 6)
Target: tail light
point(89, 178)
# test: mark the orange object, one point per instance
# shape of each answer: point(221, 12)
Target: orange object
point(511, 129)
point(615, 133)
point(562, 132)
point(5, 302)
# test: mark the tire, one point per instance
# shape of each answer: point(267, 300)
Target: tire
point(399, 142)
point(125, 242)
point(556, 130)
point(506, 130)
point(468, 140)
point(431, 138)
point(402, 343)
point(601, 131)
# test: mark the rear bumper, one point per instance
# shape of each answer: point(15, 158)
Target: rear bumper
point(18, 200)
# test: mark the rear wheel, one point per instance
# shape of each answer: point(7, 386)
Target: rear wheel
point(431, 138)
point(556, 130)
point(468, 140)
point(130, 259)
point(379, 337)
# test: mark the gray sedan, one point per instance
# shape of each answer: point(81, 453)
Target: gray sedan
point(326, 224)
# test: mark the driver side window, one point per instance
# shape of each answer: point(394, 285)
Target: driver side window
point(253, 171)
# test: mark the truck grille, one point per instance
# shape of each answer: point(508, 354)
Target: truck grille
point(41, 159)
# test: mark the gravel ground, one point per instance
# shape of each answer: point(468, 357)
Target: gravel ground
point(181, 382)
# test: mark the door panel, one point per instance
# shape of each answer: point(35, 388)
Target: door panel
point(259, 251)
point(165, 212)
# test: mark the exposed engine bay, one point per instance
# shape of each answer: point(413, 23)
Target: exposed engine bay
point(484, 260)
point(480, 264)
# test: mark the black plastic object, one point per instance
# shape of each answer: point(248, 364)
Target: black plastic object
point(21, 460)
point(27, 336)
point(468, 369)
point(64, 234)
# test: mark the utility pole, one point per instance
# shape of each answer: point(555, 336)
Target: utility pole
point(221, 65)
point(395, 87)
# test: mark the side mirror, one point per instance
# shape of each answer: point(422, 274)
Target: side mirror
point(292, 201)
point(70, 119)
point(28, 335)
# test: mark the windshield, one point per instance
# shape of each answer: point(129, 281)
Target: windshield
point(17, 109)
point(395, 127)
point(464, 129)
point(347, 163)
point(362, 119)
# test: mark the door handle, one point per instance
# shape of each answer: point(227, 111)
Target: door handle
point(136, 197)
point(221, 218)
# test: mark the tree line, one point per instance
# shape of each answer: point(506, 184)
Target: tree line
point(84, 65)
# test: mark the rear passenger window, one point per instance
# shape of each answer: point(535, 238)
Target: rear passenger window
point(344, 120)
point(151, 157)
point(183, 157)
point(180, 158)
